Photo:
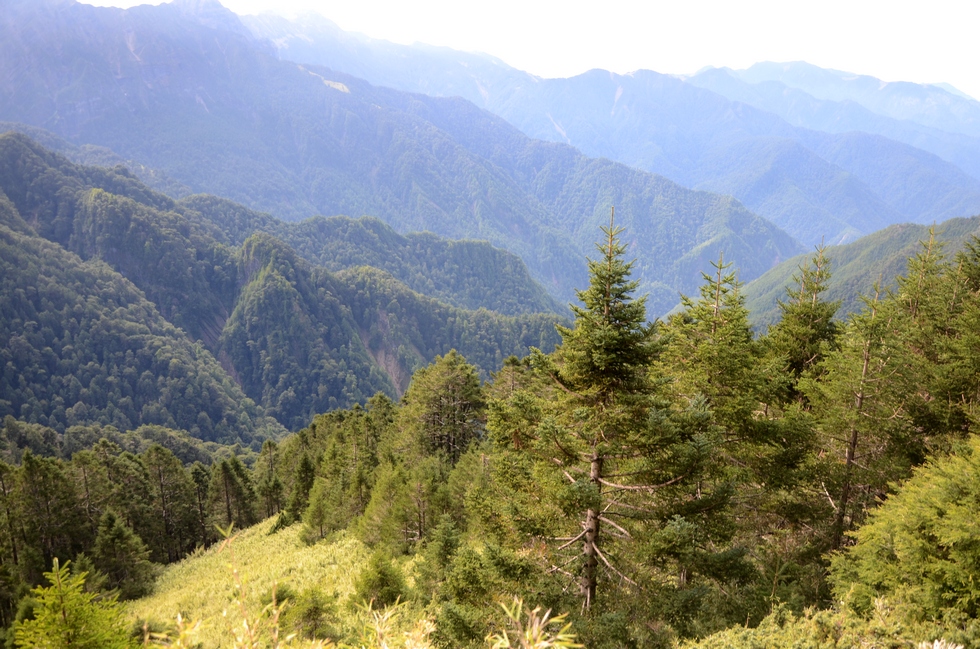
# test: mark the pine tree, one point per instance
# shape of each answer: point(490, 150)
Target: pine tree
point(302, 484)
point(594, 422)
point(321, 513)
point(201, 476)
point(232, 496)
point(66, 615)
point(806, 331)
point(270, 487)
point(123, 558)
point(52, 523)
point(173, 504)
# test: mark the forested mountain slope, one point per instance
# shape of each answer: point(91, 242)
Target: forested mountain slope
point(82, 345)
point(293, 337)
point(813, 184)
point(184, 88)
point(465, 273)
point(855, 267)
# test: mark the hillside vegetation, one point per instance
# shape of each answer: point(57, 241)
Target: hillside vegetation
point(203, 585)
point(669, 484)
point(856, 267)
point(126, 308)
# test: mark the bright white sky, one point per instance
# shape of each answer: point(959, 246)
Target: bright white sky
point(895, 40)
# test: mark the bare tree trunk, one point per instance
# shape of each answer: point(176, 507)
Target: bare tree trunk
point(853, 441)
point(590, 546)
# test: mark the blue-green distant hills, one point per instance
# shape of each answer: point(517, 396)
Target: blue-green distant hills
point(931, 105)
point(800, 108)
point(822, 166)
point(185, 89)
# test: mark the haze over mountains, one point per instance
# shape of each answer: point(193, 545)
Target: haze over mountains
point(777, 155)
point(185, 89)
point(210, 109)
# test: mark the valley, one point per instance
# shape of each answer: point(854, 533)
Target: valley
point(314, 339)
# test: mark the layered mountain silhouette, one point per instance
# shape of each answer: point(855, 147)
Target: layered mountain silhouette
point(854, 156)
point(186, 90)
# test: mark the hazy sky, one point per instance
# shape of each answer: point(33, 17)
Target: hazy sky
point(894, 40)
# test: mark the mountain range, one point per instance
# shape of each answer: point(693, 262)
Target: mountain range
point(207, 166)
point(822, 166)
point(185, 89)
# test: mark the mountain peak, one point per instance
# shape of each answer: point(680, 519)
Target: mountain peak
point(210, 13)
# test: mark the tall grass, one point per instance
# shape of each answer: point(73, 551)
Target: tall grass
point(210, 588)
point(226, 597)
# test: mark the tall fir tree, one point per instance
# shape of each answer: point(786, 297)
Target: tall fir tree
point(602, 372)
point(806, 330)
point(123, 558)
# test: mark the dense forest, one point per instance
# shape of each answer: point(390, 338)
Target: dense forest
point(666, 483)
point(123, 307)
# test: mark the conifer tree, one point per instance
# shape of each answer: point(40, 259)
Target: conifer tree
point(173, 504)
point(875, 403)
point(852, 403)
point(603, 375)
point(51, 521)
point(958, 386)
point(66, 615)
point(123, 558)
point(321, 513)
point(10, 524)
point(302, 483)
point(232, 496)
point(711, 353)
point(201, 476)
point(591, 456)
point(270, 487)
point(806, 330)
point(444, 406)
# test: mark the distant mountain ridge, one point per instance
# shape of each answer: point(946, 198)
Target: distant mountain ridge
point(926, 104)
point(110, 283)
point(816, 185)
point(800, 108)
point(212, 107)
point(467, 274)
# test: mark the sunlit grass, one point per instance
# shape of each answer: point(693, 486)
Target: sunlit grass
point(201, 587)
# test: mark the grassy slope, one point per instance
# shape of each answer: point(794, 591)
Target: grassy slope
point(201, 586)
point(856, 266)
